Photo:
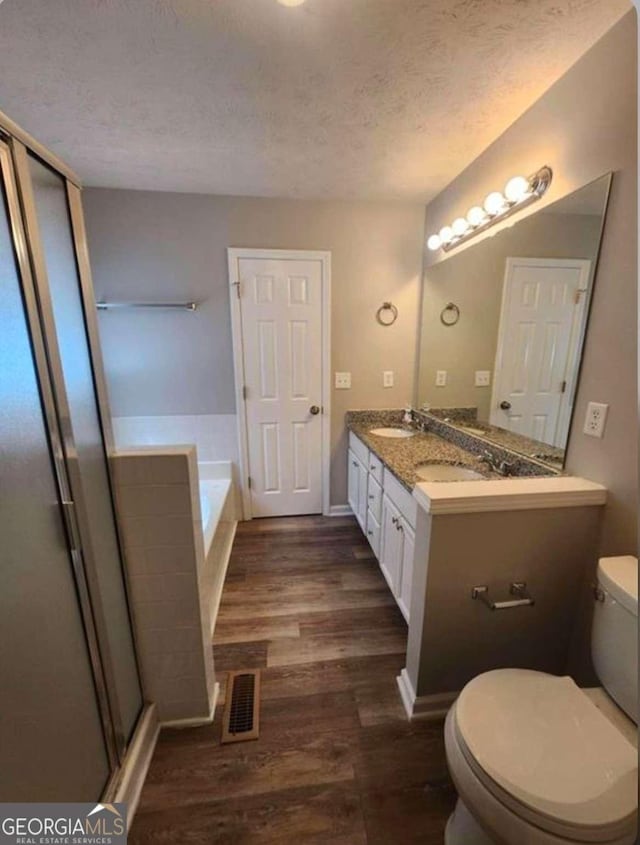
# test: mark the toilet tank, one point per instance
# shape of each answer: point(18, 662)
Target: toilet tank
point(614, 635)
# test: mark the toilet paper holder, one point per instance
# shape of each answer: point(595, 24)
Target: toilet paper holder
point(517, 588)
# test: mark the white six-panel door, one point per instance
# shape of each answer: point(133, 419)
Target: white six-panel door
point(281, 312)
point(540, 334)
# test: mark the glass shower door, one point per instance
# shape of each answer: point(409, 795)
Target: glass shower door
point(52, 745)
point(53, 251)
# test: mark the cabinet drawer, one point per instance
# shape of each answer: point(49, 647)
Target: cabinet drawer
point(400, 497)
point(359, 449)
point(373, 533)
point(375, 467)
point(374, 498)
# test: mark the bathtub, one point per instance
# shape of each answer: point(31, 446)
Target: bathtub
point(218, 514)
point(215, 497)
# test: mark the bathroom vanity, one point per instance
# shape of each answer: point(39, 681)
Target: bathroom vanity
point(487, 571)
point(484, 541)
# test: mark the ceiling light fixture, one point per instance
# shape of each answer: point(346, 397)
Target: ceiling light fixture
point(291, 2)
point(518, 193)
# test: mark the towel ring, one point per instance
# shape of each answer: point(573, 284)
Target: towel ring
point(388, 321)
point(453, 317)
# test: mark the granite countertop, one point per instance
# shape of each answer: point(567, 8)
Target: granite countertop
point(401, 456)
point(466, 419)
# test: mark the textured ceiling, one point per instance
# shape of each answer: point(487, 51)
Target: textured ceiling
point(336, 98)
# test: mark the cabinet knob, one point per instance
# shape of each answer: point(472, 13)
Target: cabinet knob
point(370, 533)
point(355, 463)
point(371, 496)
point(394, 520)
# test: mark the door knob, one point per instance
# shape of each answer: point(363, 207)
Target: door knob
point(505, 405)
point(314, 410)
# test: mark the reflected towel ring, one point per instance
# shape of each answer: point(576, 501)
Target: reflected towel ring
point(390, 320)
point(453, 317)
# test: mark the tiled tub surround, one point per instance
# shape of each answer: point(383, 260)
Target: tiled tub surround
point(177, 529)
point(214, 435)
point(440, 443)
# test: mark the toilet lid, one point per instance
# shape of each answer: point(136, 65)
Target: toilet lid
point(546, 745)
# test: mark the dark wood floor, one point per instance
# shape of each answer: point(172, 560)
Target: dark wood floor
point(336, 762)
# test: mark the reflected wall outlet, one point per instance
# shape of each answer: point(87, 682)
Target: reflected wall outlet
point(441, 378)
point(343, 381)
point(387, 378)
point(483, 378)
point(595, 419)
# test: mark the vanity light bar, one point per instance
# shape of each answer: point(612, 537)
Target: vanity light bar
point(519, 192)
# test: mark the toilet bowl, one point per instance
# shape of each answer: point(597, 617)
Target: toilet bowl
point(538, 761)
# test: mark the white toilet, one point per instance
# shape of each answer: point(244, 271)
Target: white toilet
point(535, 759)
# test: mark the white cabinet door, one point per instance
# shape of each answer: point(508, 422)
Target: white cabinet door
point(362, 496)
point(353, 482)
point(406, 574)
point(391, 544)
point(357, 489)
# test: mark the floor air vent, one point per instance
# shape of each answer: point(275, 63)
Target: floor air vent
point(241, 719)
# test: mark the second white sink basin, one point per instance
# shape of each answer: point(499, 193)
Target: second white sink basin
point(392, 432)
point(446, 472)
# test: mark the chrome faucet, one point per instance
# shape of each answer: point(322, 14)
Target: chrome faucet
point(501, 467)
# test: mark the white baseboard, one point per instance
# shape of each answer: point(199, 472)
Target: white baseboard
point(340, 510)
point(136, 762)
point(424, 706)
point(197, 721)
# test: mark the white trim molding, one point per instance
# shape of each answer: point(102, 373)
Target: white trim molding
point(136, 762)
point(340, 510)
point(197, 721)
point(234, 255)
point(508, 494)
point(425, 706)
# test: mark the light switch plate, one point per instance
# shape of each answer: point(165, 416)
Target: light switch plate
point(343, 381)
point(595, 419)
point(483, 378)
point(441, 378)
point(387, 378)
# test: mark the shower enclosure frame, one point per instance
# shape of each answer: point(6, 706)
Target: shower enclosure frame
point(128, 756)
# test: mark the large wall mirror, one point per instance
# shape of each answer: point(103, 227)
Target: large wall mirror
point(503, 325)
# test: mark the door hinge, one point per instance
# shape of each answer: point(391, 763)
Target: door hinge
point(244, 392)
point(236, 285)
point(563, 387)
point(249, 483)
point(578, 294)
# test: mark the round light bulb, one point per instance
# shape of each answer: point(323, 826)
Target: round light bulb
point(517, 189)
point(476, 216)
point(460, 227)
point(434, 243)
point(494, 203)
point(446, 234)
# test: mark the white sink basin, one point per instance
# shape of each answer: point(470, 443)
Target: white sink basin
point(392, 432)
point(446, 472)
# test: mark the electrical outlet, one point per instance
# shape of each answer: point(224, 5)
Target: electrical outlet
point(343, 381)
point(483, 378)
point(441, 378)
point(387, 378)
point(595, 419)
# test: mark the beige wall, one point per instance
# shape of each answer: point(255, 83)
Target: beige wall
point(453, 638)
point(474, 280)
point(584, 126)
point(163, 245)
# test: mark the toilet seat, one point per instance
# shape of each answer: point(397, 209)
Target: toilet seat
point(542, 748)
